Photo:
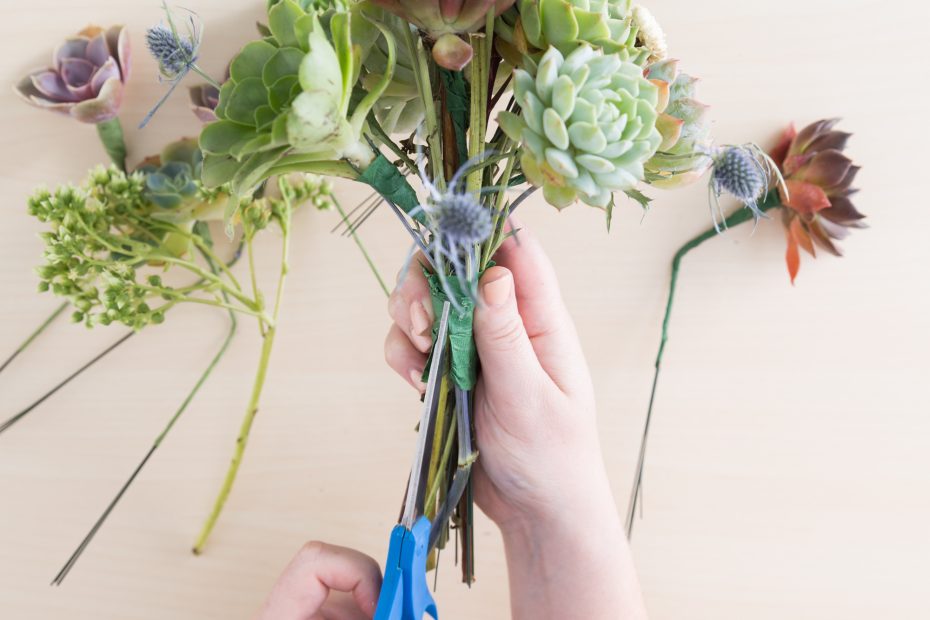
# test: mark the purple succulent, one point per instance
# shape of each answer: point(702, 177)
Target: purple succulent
point(204, 99)
point(87, 77)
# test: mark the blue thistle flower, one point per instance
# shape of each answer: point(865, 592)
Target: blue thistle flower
point(175, 54)
point(746, 172)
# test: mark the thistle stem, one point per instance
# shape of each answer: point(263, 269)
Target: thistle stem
point(740, 216)
point(421, 74)
point(257, 386)
point(361, 247)
point(111, 136)
point(35, 334)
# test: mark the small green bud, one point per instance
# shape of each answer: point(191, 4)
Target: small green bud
point(77, 316)
point(158, 318)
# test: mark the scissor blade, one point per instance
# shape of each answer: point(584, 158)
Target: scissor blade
point(413, 505)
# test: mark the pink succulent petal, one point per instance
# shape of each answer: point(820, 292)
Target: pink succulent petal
point(97, 50)
point(780, 152)
point(811, 133)
point(102, 108)
point(75, 47)
point(843, 187)
point(450, 9)
point(118, 42)
point(835, 140)
point(832, 229)
point(108, 71)
point(50, 85)
point(452, 53)
point(826, 169)
point(76, 72)
point(805, 198)
point(842, 211)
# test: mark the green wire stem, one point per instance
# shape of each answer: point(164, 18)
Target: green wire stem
point(742, 215)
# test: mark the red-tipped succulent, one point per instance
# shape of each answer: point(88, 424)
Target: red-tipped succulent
point(818, 177)
point(444, 21)
point(86, 78)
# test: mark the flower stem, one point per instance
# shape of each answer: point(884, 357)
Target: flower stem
point(259, 383)
point(35, 334)
point(59, 578)
point(111, 135)
point(421, 74)
point(740, 216)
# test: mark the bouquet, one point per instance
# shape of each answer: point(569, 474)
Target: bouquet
point(454, 114)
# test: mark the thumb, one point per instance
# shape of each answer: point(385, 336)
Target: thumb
point(506, 353)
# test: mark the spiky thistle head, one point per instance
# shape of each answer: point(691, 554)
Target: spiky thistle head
point(744, 171)
point(174, 52)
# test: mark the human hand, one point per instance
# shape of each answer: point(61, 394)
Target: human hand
point(325, 582)
point(534, 404)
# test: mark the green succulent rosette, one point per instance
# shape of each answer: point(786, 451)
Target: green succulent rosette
point(286, 102)
point(682, 157)
point(532, 26)
point(587, 124)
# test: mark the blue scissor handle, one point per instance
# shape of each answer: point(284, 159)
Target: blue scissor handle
point(404, 592)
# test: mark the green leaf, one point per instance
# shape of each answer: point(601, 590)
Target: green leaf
point(252, 171)
point(248, 94)
point(222, 137)
point(225, 91)
point(250, 60)
point(284, 63)
point(281, 93)
point(281, 19)
point(638, 196)
point(320, 69)
point(218, 170)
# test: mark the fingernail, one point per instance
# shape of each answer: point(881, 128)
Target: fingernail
point(419, 319)
point(421, 332)
point(416, 378)
point(496, 292)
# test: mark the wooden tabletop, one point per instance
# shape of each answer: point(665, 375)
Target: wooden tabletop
point(789, 469)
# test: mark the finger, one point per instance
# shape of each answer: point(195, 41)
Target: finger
point(503, 344)
point(545, 317)
point(404, 358)
point(317, 568)
point(411, 307)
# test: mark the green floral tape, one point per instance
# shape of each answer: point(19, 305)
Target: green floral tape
point(463, 354)
point(384, 177)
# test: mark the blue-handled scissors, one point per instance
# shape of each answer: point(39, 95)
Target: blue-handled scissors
point(405, 593)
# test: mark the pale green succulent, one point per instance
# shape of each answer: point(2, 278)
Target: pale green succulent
point(587, 123)
point(534, 25)
point(683, 156)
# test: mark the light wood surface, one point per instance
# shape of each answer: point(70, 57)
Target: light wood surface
point(789, 470)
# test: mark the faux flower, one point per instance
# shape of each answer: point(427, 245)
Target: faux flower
point(650, 35)
point(587, 125)
point(818, 178)
point(86, 78)
point(534, 25)
point(682, 156)
point(444, 21)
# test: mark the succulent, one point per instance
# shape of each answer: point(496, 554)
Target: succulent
point(204, 99)
point(399, 110)
point(817, 194)
point(444, 21)
point(86, 78)
point(587, 124)
point(534, 25)
point(682, 157)
point(288, 94)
